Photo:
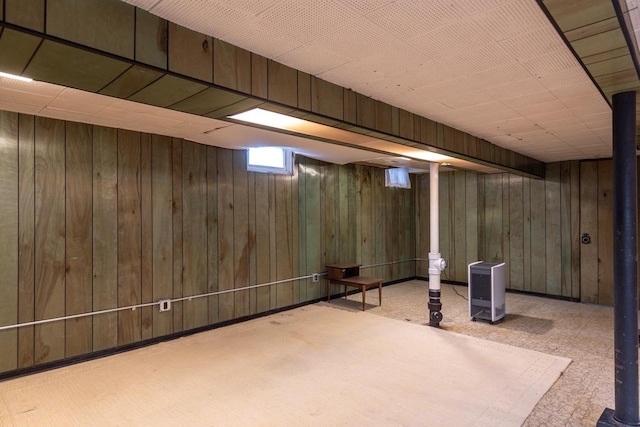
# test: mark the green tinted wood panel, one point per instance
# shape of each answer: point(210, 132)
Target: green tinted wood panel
point(166, 91)
point(9, 239)
point(16, 50)
point(50, 238)
point(131, 81)
point(238, 107)
point(105, 236)
point(283, 84)
point(129, 236)
point(190, 53)
point(79, 238)
point(26, 234)
point(151, 39)
point(162, 240)
point(207, 101)
point(106, 25)
point(69, 66)
point(326, 98)
point(26, 13)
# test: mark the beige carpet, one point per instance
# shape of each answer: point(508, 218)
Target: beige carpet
point(316, 365)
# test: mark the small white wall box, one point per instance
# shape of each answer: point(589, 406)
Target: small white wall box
point(486, 291)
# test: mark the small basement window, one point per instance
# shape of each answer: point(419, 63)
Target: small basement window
point(270, 159)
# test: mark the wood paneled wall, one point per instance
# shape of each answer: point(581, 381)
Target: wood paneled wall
point(94, 218)
point(531, 224)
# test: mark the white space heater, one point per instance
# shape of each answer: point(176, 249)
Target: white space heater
point(486, 291)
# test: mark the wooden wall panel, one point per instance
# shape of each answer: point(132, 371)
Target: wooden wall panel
point(105, 236)
point(538, 237)
point(565, 228)
point(263, 266)
point(493, 218)
point(104, 25)
point(162, 229)
point(589, 225)
point(146, 236)
point(313, 226)
point(283, 84)
point(26, 236)
point(471, 219)
point(26, 13)
point(151, 39)
point(251, 189)
point(212, 233)
point(284, 240)
point(459, 229)
point(194, 233)
point(9, 239)
point(516, 233)
point(78, 298)
point(605, 232)
point(526, 236)
point(380, 201)
point(225, 234)
point(553, 231)
point(190, 53)
point(129, 237)
point(176, 171)
point(242, 245)
point(50, 241)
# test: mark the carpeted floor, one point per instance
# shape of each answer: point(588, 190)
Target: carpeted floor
point(323, 365)
point(581, 332)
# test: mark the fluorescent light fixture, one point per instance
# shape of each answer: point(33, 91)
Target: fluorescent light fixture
point(268, 118)
point(428, 156)
point(13, 76)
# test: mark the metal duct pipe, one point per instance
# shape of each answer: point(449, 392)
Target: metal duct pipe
point(436, 263)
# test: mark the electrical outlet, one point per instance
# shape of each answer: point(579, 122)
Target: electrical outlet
point(165, 304)
point(315, 277)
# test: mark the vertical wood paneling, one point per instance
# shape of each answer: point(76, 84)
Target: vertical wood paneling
point(251, 190)
point(263, 274)
point(212, 232)
point(553, 232)
point(50, 242)
point(589, 225)
point(379, 202)
point(295, 244)
point(506, 229)
point(146, 234)
point(446, 202)
point(190, 53)
point(194, 233)
point(301, 165)
point(459, 229)
point(538, 237)
point(526, 237)
point(129, 236)
point(242, 243)
point(284, 240)
point(78, 298)
point(493, 218)
point(575, 229)
point(312, 220)
point(273, 289)
point(516, 233)
point(605, 232)
point(176, 158)
point(162, 241)
point(565, 228)
point(225, 234)
point(481, 218)
point(26, 239)
point(391, 232)
point(9, 239)
point(471, 219)
point(105, 236)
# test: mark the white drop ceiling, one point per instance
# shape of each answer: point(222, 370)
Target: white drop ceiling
point(496, 69)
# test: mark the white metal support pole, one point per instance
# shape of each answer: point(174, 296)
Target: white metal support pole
point(436, 263)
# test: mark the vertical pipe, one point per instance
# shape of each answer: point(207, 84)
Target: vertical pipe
point(436, 263)
point(625, 258)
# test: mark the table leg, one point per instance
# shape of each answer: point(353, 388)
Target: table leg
point(328, 290)
point(364, 293)
point(345, 291)
point(380, 292)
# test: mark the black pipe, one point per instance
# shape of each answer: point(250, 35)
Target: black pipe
point(625, 259)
